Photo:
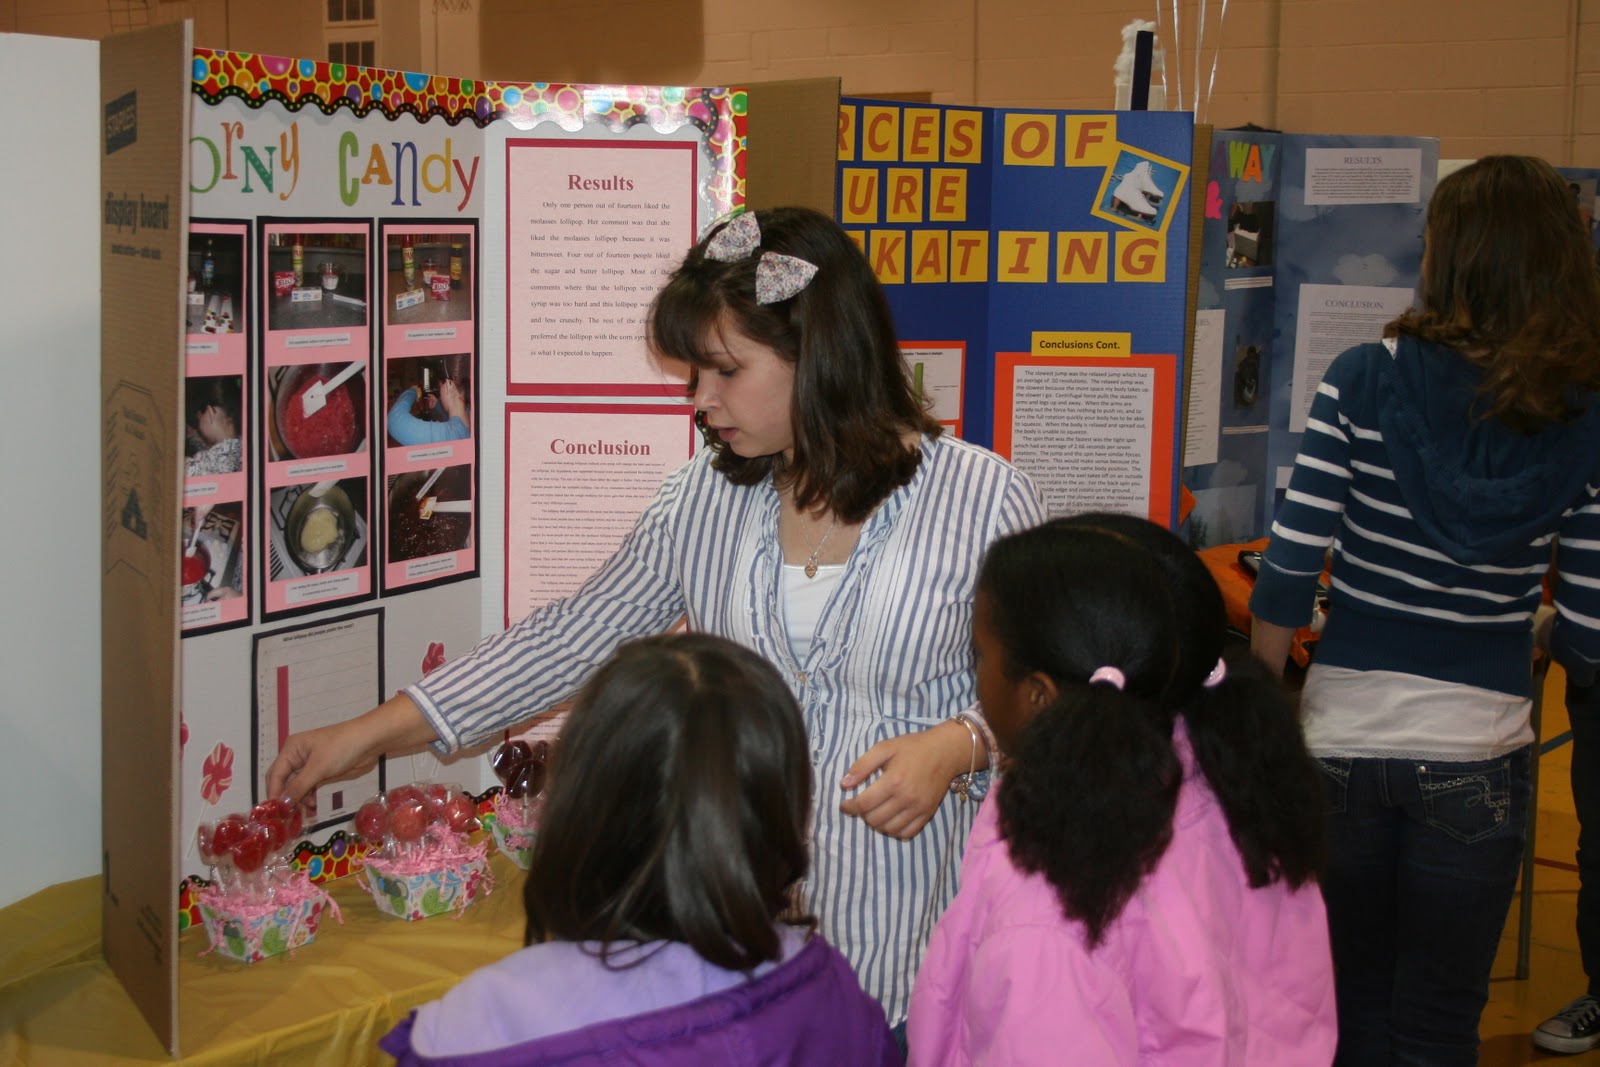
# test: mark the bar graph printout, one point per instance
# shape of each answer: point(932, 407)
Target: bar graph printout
point(317, 675)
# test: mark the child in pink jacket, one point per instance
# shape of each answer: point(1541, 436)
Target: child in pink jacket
point(1142, 887)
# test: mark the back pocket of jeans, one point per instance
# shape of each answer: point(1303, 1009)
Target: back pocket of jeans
point(1468, 801)
point(1335, 782)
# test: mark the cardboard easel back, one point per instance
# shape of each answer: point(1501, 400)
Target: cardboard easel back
point(793, 136)
point(144, 183)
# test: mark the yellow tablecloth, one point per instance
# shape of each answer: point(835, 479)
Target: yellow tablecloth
point(60, 1005)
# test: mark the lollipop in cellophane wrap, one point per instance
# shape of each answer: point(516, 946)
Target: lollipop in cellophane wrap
point(521, 768)
point(258, 904)
point(424, 860)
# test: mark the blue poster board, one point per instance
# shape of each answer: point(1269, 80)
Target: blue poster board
point(1051, 234)
point(1311, 244)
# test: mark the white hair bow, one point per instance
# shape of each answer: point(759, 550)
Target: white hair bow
point(778, 276)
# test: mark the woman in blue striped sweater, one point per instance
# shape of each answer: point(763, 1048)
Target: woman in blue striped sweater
point(829, 526)
point(1441, 465)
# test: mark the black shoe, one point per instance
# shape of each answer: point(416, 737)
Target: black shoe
point(1575, 1028)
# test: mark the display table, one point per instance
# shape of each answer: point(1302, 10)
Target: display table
point(60, 1005)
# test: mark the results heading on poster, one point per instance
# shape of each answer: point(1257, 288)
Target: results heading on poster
point(593, 230)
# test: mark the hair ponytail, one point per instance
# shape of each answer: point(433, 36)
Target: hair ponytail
point(1249, 746)
point(1088, 799)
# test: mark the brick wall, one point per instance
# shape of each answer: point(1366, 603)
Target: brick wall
point(1482, 75)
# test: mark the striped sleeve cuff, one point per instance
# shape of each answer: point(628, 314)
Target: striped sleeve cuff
point(1284, 598)
point(449, 740)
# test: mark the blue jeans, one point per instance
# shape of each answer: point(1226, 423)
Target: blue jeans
point(1423, 858)
point(1583, 711)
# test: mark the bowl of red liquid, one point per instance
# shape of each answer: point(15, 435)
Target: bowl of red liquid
point(337, 429)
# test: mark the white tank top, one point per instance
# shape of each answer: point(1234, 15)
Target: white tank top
point(803, 600)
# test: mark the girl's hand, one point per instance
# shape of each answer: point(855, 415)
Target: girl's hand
point(346, 749)
point(914, 774)
point(455, 405)
point(308, 759)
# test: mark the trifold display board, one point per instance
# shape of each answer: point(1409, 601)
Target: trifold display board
point(374, 381)
point(1311, 244)
point(1036, 263)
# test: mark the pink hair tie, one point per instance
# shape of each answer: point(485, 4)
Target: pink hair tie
point(1218, 673)
point(1109, 675)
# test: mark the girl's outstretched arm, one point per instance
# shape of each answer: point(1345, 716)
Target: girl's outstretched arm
point(347, 748)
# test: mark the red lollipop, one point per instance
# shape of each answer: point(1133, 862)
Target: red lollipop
point(527, 782)
point(228, 832)
point(281, 809)
point(461, 814)
point(275, 815)
point(438, 796)
point(251, 851)
point(404, 794)
point(372, 822)
point(277, 832)
point(203, 837)
point(508, 758)
point(409, 819)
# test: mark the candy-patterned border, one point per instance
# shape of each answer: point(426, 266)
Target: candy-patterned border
point(718, 113)
point(339, 857)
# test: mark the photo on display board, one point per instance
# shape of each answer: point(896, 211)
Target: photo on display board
point(427, 277)
point(1250, 233)
point(302, 429)
point(1246, 377)
point(316, 280)
point(212, 567)
point(216, 283)
point(213, 411)
point(428, 399)
point(1138, 191)
point(317, 529)
point(430, 513)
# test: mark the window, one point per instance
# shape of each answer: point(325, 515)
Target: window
point(354, 53)
point(352, 10)
point(351, 32)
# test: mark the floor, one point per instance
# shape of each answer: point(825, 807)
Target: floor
point(1555, 974)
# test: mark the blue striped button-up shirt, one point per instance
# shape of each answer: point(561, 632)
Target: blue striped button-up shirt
point(891, 655)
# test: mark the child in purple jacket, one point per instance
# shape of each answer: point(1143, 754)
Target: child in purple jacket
point(674, 830)
point(1142, 888)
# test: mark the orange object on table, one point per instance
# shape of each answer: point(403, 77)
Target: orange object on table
point(1236, 583)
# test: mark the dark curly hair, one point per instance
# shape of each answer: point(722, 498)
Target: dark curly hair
point(853, 400)
point(678, 805)
point(1509, 282)
point(1089, 796)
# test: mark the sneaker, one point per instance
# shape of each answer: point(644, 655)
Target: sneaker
point(1575, 1028)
